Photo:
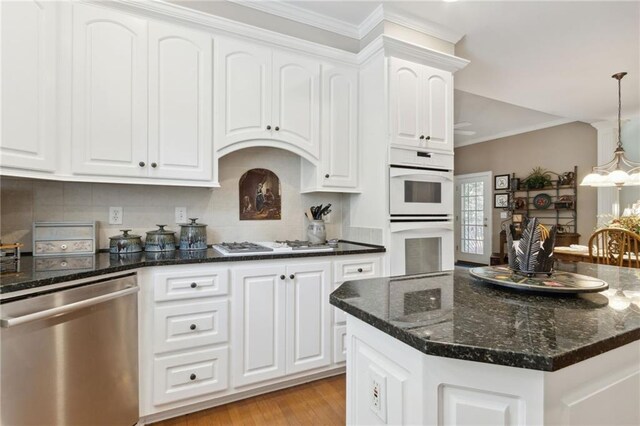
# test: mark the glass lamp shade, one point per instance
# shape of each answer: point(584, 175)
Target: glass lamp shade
point(618, 177)
point(591, 179)
point(634, 179)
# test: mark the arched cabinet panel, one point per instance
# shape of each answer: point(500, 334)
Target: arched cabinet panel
point(28, 138)
point(180, 141)
point(109, 93)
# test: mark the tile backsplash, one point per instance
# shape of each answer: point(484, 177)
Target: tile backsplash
point(24, 201)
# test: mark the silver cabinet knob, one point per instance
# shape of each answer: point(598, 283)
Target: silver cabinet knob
point(63, 246)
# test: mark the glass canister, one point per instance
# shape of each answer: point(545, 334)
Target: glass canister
point(193, 236)
point(160, 240)
point(125, 243)
point(317, 232)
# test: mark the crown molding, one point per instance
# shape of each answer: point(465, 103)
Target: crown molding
point(424, 26)
point(415, 53)
point(163, 10)
point(371, 21)
point(295, 13)
point(514, 132)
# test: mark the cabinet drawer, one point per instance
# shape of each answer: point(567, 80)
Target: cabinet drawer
point(189, 325)
point(346, 270)
point(339, 344)
point(175, 286)
point(63, 246)
point(189, 375)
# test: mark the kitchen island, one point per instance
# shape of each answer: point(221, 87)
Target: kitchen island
point(445, 348)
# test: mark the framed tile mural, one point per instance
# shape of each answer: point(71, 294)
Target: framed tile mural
point(260, 195)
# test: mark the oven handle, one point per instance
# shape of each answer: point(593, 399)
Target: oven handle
point(428, 176)
point(416, 226)
point(59, 310)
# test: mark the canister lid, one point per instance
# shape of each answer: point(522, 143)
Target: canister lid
point(193, 223)
point(160, 231)
point(125, 235)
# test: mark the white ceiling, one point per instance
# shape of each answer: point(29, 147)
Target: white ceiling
point(491, 119)
point(553, 58)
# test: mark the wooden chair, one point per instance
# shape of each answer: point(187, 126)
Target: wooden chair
point(615, 246)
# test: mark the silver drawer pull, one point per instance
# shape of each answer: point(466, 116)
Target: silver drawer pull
point(63, 246)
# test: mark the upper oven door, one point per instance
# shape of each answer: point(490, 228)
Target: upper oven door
point(420, 192)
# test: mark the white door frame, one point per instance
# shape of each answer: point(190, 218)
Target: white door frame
point(488, 210)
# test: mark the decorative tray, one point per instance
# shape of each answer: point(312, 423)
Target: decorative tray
point(557, 282)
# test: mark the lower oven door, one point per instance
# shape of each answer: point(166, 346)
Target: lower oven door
point(421, 247)
point(420, 192)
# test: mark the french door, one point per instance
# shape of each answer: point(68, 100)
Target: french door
point(473, 217)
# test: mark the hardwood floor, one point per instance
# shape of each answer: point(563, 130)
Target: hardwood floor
point(322, 402)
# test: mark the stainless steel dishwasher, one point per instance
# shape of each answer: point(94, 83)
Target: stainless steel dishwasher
point(70, 357)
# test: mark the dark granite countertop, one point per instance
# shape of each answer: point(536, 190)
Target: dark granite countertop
point(43, 271)
point(452, 315)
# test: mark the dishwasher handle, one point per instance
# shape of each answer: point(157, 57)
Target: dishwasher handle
point(58, 310)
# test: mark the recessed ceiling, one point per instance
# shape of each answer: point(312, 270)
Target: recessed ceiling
point(551, 57)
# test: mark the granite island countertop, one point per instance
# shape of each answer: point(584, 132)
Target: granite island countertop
point(451, 314)
point(44, 270)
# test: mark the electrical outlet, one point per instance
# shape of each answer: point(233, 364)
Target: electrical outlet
point(504, 215)
point(181, 215)
point(378, 394)
point(115, 215)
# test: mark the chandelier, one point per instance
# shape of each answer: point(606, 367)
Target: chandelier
point(620, 171)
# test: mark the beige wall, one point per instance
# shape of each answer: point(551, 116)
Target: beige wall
point(25, 201)
point(556, 148)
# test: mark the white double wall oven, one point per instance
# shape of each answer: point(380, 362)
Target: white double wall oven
point(421, 192)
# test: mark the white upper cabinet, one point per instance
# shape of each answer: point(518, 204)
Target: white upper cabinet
point(243, 92)
point(180, 91)
point(266, 95)
point(109, 93)
point(405, 89)
point(28, 34)
point(421, 106)
point(339, 158)
point(337, 170)
point(296, 101)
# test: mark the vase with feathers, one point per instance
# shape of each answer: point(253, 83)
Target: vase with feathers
point(533, 253)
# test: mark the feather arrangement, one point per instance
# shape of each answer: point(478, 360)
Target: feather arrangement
point(511, 250)
point(533, 253)
point(545, 256)
point(529, 246)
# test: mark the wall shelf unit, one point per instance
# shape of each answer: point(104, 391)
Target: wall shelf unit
point(562, 210)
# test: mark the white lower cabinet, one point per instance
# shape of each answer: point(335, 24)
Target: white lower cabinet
point(186, 375)
point(280, 321)
point(349, 269)
point(258, 324)
point(190, 324)
point(210, 334)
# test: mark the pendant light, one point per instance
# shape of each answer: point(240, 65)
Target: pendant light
point(620, 171)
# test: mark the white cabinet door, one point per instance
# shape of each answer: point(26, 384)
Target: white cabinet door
point(109, 93)
point(28, 34)
point(406, 103)
point(437, 118)
point(339, 158)
point(296, 101)
point(180, 116)
point(258, 324)
point(243, 92)
point(308, 316)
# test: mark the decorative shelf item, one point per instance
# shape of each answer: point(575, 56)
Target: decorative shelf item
point(542, 201)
